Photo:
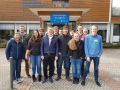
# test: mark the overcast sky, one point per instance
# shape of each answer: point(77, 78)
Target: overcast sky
point(116, 3)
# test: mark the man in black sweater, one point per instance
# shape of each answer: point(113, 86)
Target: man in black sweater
point(63, 53)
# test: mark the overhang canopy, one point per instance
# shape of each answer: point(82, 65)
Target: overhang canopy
point(44, 13)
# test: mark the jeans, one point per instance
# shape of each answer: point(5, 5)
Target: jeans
point(16, 68)
point(36, 62)
point(48, 60)
point(66, 60)
point(96, 65)
point(76, 67)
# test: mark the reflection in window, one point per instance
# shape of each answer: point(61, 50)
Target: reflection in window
point(60, 3)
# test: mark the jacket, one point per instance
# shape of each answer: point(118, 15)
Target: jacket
point(49, 49)
point(63, 43)
point(25, 40)
point(14, 49)
point(79, 52)
point(36, 45)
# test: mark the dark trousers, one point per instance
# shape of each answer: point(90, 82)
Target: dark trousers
point(66, 60)
point(48, 60)
point(82, 68)
point(27, 67)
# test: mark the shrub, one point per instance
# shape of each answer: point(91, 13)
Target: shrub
point(111, 45)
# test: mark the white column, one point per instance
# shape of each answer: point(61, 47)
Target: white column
point(27, 28)
point(15, 28)
point(43, 24)
point(108, 33)
point(111, 35)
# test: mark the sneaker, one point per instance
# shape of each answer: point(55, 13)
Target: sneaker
point(19, 81)
point(68, 78)
point(98, 83)
point(83, 83)
point(58, 78)
point(44, 80)
point(50, 79)
point(15, 82)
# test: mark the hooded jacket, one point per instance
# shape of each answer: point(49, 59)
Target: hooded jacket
point(14, 49)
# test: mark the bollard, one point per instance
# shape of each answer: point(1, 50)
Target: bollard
point(11, 73)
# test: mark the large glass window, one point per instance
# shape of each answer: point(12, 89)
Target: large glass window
point(33, 26)
point(116, 30)
point(6, 31)
point(60, 3)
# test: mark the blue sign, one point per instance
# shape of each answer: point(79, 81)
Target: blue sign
point(59, 17)
point(32, 4)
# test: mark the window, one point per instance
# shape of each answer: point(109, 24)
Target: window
point(116, 30)
point(60, 3)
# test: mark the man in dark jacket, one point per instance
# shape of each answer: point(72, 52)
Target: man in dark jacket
point(49, 53)
point(15, 49)
point(24, 39)
point(63, 53)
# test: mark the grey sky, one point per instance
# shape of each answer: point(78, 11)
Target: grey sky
point(116, 3)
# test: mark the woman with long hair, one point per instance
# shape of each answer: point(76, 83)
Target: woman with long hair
point(34, 45)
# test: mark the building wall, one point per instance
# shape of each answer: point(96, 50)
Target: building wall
point(13, 10)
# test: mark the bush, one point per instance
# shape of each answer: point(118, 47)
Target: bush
point(111, 45)
point(3, 45)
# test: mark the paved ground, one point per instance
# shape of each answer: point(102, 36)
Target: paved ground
point(109, 73)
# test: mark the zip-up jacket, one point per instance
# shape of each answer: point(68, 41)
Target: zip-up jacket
point(63, 43)
point(49, 49)
point(36, 45)
point(15, 50)
point(79, 52)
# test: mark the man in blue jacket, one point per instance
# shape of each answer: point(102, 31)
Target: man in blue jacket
point(49, 53)
point(15, 49)
point(93, 51)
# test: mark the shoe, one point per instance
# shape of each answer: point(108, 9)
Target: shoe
point(58, 78)
point(98, 83)
point(68, 78)
point(83, 83)
point(29, 76)
point(15, 82)
point(19, 81)
point(33, 78)
point(44, 80)
point(39, 77)
point(74, 80)
point(50, 79)
point(77, 80)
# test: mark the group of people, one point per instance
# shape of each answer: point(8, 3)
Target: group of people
point(57, 45)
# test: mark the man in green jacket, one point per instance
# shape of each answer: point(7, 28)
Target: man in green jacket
point(24, 39)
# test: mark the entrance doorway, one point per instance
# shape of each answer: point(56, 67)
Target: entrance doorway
point(71, 25)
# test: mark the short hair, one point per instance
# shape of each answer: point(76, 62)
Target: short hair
point(55, 27)
point(21, 26)
point(61, 28)
point(18, 34)
point(64, 27)
point(41, 29)
point(49, 27)
point(94, 26)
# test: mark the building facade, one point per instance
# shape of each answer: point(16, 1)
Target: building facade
point(34, 14)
